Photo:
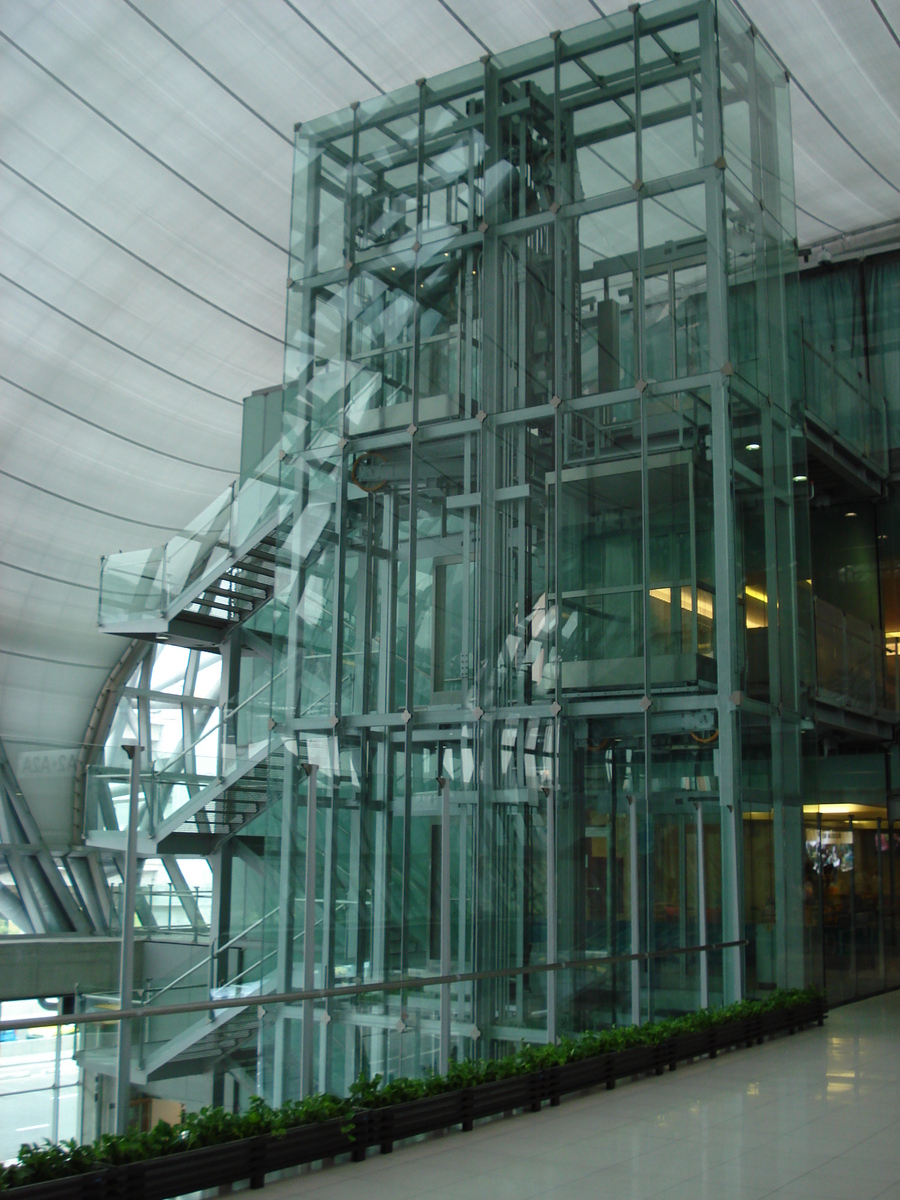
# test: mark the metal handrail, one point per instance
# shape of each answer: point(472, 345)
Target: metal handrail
point(259, 962)
point(384, 985)
point(207, 959)
point(226, 715)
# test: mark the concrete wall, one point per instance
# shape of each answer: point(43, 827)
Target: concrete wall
point(35, 967)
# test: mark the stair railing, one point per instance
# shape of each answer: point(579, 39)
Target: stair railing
point(208, 960)
point(230, 752)
point(148, 584)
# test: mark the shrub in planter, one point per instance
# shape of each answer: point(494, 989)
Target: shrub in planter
point(170, 1159)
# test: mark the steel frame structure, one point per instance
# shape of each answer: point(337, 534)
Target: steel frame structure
point(537, 509)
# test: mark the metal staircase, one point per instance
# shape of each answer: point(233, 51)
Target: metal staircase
point(228, 810)
point(201, 1045)
point(199, 590)
point(221, 1033)
point(206, 589)
point(207, 579)
point(240, 589)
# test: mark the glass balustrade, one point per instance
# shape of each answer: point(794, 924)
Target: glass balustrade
point(154, 583)
point(845, 401)
point(165, 910)
point(856, 665)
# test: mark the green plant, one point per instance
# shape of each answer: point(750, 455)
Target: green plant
point(214, 1126)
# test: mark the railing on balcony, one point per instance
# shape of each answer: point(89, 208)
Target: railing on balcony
point(857, 666)
point(845, 402)
point(162, 909)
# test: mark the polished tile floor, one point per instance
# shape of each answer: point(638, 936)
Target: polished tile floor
point(816, 1115)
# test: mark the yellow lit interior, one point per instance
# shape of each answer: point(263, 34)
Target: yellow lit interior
point(704, 600)
point(845, 810)
point(756, 614)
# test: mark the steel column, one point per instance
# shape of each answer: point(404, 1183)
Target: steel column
point(446, 948)
point(126, 964)
point(309, 935)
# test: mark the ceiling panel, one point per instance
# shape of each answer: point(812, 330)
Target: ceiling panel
point(145, 175)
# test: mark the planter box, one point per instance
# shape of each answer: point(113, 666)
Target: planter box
point(773, 1022)
point(692, 1045)
point(734, 1033)
point(175, 1174)
point(91, 1186)
point(306, 1144)
point(504, 1095)
point(637, 1060)
point(388, 1125)
point(807, 1014)
point(587, 1073)
point(159, 1178)
point(252, 1158)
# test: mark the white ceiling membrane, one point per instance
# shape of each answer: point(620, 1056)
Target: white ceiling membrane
point(145, 174)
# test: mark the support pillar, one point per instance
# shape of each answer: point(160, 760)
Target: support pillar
point(444, 786)
point(126, 965)
point(307, 1051)
point(634, 904)
point(552, 921)
point(701, 909)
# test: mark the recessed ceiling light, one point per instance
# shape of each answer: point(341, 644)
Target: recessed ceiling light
point(850, 514)
point(799, 479)
point(753, 445)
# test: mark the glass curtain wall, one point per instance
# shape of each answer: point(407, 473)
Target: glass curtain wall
point(535, 664)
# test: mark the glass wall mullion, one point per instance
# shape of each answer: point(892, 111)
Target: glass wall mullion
point(726, 616)
point(640, 358)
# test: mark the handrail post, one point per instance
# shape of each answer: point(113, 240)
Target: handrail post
point(701, 909)
point(552, 948)
point(164, 581)
point(634, 902)
point(126, 963)
point(232, 522)
point(444, 1053)
point(309, 934)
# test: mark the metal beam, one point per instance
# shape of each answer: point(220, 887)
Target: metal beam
point(184, 893)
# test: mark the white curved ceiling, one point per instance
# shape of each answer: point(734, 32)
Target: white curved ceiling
point(145, 170)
